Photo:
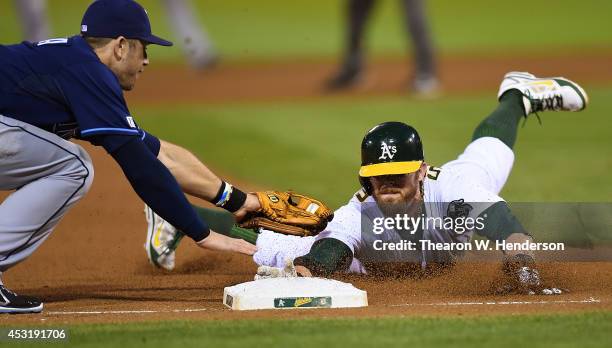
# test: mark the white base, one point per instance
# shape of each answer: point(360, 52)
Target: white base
point(283, 293)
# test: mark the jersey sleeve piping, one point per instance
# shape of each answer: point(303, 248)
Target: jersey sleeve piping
point(111, 130)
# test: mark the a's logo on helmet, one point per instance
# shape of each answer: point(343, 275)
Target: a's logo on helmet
point(387, 151)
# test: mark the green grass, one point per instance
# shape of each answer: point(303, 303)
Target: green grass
point(245, 29)
point(314, 147)
point(566, 330)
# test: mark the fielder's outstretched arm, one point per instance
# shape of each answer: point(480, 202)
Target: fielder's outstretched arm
point(192, 175)
point(155, 185)
point(197, 180)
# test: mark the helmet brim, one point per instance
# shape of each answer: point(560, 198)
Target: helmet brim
point(389, 168)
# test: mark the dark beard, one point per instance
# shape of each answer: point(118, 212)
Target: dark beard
point(411, 208)
point(392, 209)
point(410, 205)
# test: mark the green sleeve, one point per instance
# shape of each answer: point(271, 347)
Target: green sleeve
point(326, 256)
point(499, 222)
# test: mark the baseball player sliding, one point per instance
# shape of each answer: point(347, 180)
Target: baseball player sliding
point(369, 233)
point(58, 89)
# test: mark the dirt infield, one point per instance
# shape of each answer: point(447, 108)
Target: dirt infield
point(93, 267)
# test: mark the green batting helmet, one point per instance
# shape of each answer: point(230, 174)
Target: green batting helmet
point(390, 148)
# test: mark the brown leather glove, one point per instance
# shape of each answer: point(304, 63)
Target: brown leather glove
point(289, 213)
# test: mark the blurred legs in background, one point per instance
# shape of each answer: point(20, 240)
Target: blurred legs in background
point(358, 12)
point(350, 71)
point(198, 47)
point(424, 79)
point(33, 16)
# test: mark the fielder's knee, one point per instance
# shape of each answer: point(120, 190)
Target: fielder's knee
point(89, 170)
point(81, 171)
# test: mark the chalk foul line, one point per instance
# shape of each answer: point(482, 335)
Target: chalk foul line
point(143, 311)
point(490, 303)
point(590, 300)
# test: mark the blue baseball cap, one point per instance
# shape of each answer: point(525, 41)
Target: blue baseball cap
point(114, 18)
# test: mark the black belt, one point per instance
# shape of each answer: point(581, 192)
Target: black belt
point(65, 130)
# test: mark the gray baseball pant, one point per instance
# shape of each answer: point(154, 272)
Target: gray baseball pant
point(48, 175)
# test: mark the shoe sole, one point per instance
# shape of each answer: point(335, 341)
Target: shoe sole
point(150, 234)
point(527, 76)
point(12, 310)
point(520, 75)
